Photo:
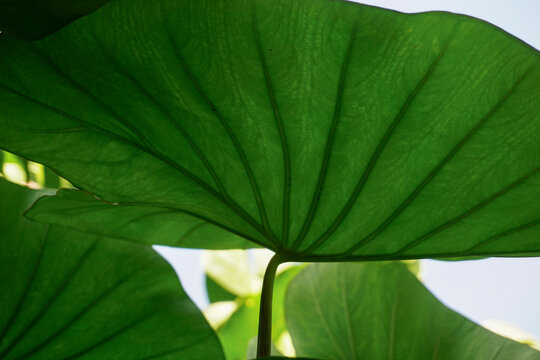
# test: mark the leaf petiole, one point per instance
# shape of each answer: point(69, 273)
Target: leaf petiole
point(264, 338)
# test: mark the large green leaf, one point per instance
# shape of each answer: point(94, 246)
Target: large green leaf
point(34, 19)
point(381, 311)
point(320, 129)
point(66, 295)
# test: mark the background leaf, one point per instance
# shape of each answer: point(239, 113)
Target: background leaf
point(322, 129)
point(64, 295)
point(28, 173)
point(215, 292)
point(381, 311)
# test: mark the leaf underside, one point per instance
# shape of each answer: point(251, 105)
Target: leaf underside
point(324, 130)
point(67, 295)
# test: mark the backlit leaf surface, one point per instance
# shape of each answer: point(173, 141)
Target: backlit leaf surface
point(320, 129)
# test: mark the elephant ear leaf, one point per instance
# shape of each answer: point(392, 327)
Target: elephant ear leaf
point(324, 130)
point(326, 307)
point(34, 19)
point(65, 295)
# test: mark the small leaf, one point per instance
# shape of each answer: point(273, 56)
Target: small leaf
point(381, 311)
point(148, 224)
point(65, 295)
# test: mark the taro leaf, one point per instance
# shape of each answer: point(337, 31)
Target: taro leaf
point(67, 295)
point(320, 129)
point(381, 311)
point(34, 19)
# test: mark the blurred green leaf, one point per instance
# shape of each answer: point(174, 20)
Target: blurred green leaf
point(64, 294)
point(216, 292)
point(232, 271)
point(381, 311)
point(252, 349)
point(52, 180)
point(238, 330)
point(13, 168)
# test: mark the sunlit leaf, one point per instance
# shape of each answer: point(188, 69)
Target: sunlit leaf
point(319, 129)
point(13, 168)
point(381, 311)
point(511, 331)
point(217, 313)
point(67, 295)
point(231, 270)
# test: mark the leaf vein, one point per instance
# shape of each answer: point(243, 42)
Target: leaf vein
point(401, 208)
point(85, 310)
point(279, 125)
point(378, 150)
point(152, 152)
point(51, 300)
point(467, 213)
point(329, 143)
point(230, 133)
point(22, 299)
